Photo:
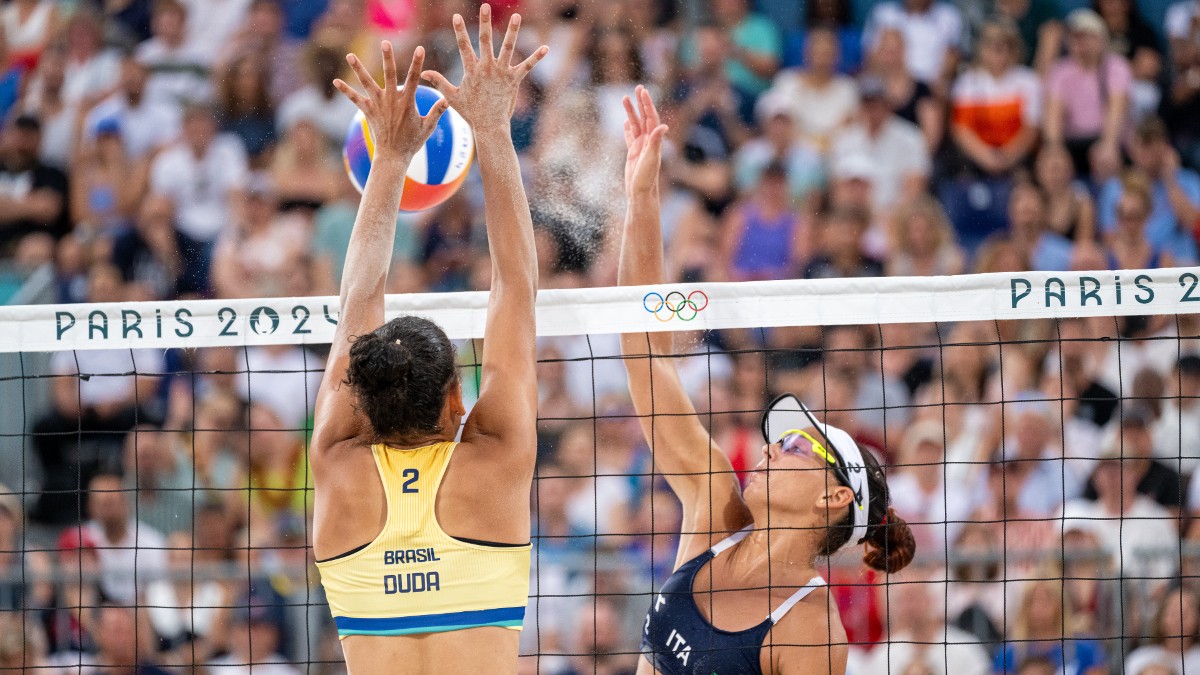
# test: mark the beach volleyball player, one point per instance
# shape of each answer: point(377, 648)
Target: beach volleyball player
point(745, 596)
point(423, 542)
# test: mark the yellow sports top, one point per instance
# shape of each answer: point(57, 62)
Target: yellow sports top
point(415, 578)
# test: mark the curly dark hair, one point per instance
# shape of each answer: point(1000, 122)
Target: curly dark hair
point(890, 542)
point(400, 373)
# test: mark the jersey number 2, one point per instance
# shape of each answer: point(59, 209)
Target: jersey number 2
point(412, 475)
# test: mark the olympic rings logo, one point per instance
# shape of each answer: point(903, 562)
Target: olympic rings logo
point(676, 304)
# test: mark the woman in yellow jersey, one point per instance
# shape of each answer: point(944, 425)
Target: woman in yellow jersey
point(423, 542)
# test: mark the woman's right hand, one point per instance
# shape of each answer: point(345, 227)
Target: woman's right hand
point(397, 128)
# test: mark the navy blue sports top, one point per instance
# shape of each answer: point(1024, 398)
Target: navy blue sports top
point(678, 640)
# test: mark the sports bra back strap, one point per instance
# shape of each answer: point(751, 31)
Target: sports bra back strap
point(800, 594)
point(728, 542)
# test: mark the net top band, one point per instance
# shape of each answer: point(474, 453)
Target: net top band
point(632, 309)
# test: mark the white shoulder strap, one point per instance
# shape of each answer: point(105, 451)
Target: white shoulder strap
point(800, 594)
point(728, 542)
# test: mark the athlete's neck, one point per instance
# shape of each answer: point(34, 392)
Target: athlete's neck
point(414, 442)
point(788, 555)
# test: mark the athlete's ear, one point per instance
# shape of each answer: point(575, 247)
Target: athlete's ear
point(836, 498)
point(454, 398)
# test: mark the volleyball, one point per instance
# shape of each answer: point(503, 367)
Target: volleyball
point(438, 168)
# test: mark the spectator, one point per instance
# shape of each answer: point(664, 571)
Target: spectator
point(145, 124)
point(1078, 362)
point(1126, 520)
point(33, 196)
point(1042, 627)
point(97, 401)
point(1029, 232)
point(819, 99)
point(1133, 39)
point(1088, 97)
point(933, 34)
point(755, 47)
point(178, 71)
point(1160, 479)
point(212, 24)
point(160, 478)
point(836, 15)
point(203, 174)
point(44, 101)
point(106, 183)
point(1173, 636)
point(1129, 246)
point(245, 107)
point(921, 486)
point(91, 70)
point(840, 253)
point(919, 639)
point(901, 159)
point(911, 100)
point(254, 257)
point(761, 232)
point(317, 100)
point(188, 615)
point(28, 26)
point(305, 173)
point(1036, 475)
point(131, 552)
point(1093, 589)
point(282, 378)
point(996, 105)
point(260, 39)
point(278, 476)
point(1174, 191)
point(123, 641)
point(599, 642)
point(1039, 26)
point(922, 242)
point(255, 637)
point(615, 67)
point(1070, 209)
point(23, 587)
point(448, 249)
point(1177, 431)
point(778, 143)
point(156, 260)
point(707, 97)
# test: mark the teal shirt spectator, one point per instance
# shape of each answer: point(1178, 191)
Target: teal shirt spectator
point(755, 34)
point(331, 235)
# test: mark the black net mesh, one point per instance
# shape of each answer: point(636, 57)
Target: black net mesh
point(158, 503)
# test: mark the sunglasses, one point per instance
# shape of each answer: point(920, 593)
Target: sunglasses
point(799, 442)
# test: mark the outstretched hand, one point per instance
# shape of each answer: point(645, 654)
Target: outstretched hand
point(397, 128)
point(487, 95)
point(644, 138)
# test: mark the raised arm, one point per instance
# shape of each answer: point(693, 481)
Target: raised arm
point(696, 469)
point(398, 131)
point(504, 419)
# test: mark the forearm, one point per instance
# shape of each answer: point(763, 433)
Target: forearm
point(370, 252)
point(1018, 147)
point(1114, 120)
point(509, 225)
point(1185, 211)
point(641, 262)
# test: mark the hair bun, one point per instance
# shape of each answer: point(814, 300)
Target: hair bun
point(890, 544)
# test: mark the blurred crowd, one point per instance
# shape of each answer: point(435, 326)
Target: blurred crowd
point(175, 149)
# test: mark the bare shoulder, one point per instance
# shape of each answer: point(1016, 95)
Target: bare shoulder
point(809, 639)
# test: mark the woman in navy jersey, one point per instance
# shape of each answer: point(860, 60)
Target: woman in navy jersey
point(745, 596)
